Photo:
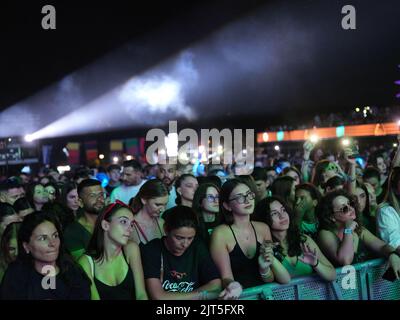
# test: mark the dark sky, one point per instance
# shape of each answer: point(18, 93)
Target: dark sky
point(283, 60)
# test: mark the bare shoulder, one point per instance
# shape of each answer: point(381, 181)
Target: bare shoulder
point(262, 229)
point(131, 248)
point(220, 232)
point(83, 260)
point(260, 226)
point(327, 237)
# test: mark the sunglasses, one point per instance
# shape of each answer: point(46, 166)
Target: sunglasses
point(346, 209)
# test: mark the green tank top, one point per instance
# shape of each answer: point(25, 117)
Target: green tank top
point(300, 269)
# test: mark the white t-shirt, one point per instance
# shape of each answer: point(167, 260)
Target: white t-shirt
point(388, 225)
point(125, 193)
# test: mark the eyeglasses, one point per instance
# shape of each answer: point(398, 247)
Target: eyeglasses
point(211, 198)
point(345, 209)
point(242, 198)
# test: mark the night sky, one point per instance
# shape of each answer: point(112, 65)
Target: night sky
point(274, 61)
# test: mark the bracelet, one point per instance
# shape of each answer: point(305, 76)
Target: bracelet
point(316, 265)
point(348, 231)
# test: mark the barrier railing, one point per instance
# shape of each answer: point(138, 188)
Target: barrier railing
point(362, 281)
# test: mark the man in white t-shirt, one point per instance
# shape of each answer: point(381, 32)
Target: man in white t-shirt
point(131, 182)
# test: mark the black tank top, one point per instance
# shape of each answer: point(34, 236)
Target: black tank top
point(245, 270)
point(123, 291)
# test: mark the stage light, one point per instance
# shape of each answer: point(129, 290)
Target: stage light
point(29, 138)
point(101, 156)
point(129, 157)
point(314, 138)
point(265, 137)
point(394, 145)
point(345, 142)
point(62, 169)
point(357, 109)
point(115, 159)
point(277, 148)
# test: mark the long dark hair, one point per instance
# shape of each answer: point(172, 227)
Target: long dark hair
point(367, 210)
point(198, 198)
point(320, 167)
point(178, 183)
point(68, 268)
point(294, 237)
point(150, 189)
point(282, 187)
point(66, 188)
point(95, 247)
point(10, 232)
point(325, 210)
point(225, 193)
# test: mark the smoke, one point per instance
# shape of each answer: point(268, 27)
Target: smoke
point(158, 96)
point(17, 121)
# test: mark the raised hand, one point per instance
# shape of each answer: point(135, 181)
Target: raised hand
point(351, 224)
point(394, 263)
point(309, 256)
point(266, 257)
point(348, 152)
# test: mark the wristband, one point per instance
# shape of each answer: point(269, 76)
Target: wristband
point(316, 265)
point(203, 295)
point(348, 231)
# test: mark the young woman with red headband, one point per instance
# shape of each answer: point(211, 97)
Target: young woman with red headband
point(113, 265)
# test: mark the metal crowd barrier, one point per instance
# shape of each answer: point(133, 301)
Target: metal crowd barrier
point(368, 285)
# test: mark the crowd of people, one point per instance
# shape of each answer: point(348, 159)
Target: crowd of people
point(167, 232)
point(357, 116)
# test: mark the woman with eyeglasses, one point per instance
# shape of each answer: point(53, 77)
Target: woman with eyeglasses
point(237, 246)
point(295, 250)
point(206, 206)
point(111, 262)
point(178, 266)
point(343, 239)
point(148, 205)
